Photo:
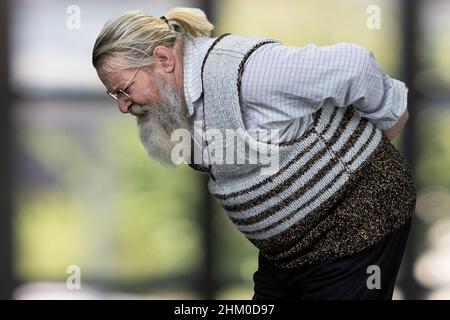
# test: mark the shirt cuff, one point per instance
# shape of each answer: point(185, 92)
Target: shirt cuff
point(399, 102)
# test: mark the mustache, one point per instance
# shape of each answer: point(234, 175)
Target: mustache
point(139, 110)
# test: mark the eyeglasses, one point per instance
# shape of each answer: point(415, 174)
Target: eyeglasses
point(121, 94)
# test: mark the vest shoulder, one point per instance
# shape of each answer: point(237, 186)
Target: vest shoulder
point(242, 43)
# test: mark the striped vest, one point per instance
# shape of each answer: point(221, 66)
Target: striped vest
point(340, 187)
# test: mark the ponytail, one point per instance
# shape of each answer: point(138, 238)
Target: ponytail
point(191, 20)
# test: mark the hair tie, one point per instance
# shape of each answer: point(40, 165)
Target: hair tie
point(165, 19)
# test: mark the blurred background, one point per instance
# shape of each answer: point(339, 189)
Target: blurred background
point(79, 196)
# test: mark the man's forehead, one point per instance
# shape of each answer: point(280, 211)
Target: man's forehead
point(110, 79)
point(112, 76)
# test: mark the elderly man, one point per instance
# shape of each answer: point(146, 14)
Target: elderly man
point(333, 220)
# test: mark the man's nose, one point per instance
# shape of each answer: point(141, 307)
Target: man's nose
point(124, 106)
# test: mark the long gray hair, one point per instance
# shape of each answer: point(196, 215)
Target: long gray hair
point(134, 35)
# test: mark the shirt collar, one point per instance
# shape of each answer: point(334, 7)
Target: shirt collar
point(194, 51)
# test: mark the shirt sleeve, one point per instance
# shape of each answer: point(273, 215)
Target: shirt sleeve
point(293, 82)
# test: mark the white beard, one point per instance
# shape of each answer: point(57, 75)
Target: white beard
point(157, 122)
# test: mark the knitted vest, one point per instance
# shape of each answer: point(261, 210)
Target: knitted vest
point(340, 187)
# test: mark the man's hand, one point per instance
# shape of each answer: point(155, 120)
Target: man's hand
point(391, 133)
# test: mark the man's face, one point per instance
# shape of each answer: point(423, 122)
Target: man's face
point(156, 102)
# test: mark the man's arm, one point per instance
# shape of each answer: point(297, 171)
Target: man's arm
point(282, 83)
point(391, 133)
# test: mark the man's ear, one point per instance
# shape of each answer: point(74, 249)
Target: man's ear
point(164, 58)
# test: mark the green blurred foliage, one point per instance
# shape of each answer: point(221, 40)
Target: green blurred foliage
point(433, 164)
point(322, 22)
point(49, 230)
point(116, 214)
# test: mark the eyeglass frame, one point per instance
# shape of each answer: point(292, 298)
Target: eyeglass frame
point(121, 94)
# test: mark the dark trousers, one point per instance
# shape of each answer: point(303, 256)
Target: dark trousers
point(354, 277)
